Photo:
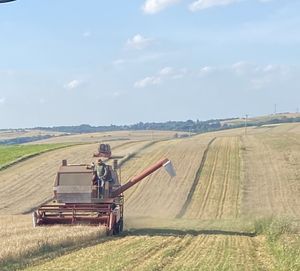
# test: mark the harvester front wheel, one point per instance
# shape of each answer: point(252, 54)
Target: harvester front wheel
point(121, 224)
point(116, 229)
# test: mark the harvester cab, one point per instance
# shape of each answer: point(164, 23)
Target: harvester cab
point(80, 199)
point(104, 150)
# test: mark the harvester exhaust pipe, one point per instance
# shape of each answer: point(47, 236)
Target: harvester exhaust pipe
point(166, 163)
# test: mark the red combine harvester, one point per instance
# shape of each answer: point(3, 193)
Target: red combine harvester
point(104, 150)
point(78, 200)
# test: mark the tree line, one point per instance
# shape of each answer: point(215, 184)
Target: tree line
point(184, 126)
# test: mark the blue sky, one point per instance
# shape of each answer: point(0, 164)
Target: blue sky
point(121, 62)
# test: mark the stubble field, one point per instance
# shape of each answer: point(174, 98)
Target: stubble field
point(234, 205)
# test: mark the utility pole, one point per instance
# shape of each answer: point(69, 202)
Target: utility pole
point(275, 109)
point(246, 119)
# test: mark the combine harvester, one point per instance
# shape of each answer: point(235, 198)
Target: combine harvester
point(78, 200)
point(104, 150)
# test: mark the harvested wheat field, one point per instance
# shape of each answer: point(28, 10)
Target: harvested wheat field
point(19, 239)
point(234, 205)
point(110, 136)
point(11, 134)
point(29, 183)
point(176, 252)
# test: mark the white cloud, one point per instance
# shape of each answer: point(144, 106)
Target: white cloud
point(269, 68)
point(155, 6)
point(162, 75)
point(262, 76)
point(139, 59)
point(204, 4)
point(7, 72)
point(86, 34)
point(256, 75)
point(138, 42)
point(42, 101)
point(147, 81)
point(282, 70)
point(206, 70)
point(116, 94)
point(172, 72)
point(166, 71)
point(2, 100)
point(73, 84)
point(260, 83)
point(244, 68)
point(119, 62)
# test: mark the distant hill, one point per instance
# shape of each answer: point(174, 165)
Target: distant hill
point(191, 126)
point(261, 120)
point(186, 126)
point(194, 126)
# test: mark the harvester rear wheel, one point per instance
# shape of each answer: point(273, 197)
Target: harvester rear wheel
point(109, 232)
point(121, 224)
point(118, 228)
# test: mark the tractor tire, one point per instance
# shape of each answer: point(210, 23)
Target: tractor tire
point(116, 228)
point(121, 225)
point(109, 232)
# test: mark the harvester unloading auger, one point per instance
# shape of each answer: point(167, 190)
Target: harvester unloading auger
point(78, 201)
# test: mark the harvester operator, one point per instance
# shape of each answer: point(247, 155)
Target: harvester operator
point(101, 172)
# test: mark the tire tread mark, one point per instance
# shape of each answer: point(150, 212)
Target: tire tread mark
point(225, 183)
point(195, 182)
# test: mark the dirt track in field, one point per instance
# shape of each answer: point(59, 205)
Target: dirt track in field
point(196, 181)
